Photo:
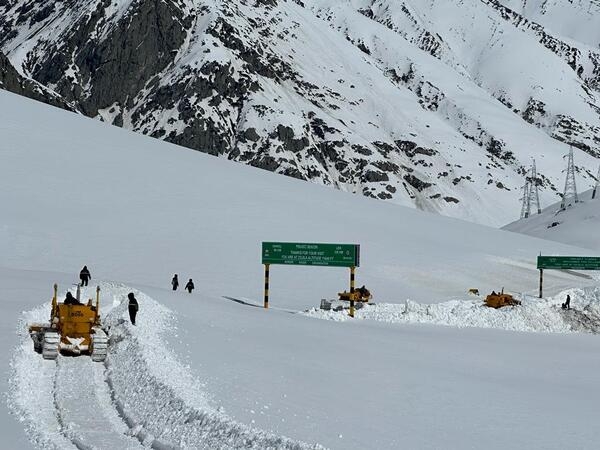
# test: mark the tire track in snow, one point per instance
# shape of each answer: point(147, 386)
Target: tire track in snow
point(84, 407)
point(31, 396)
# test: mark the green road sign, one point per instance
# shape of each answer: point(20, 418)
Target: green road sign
point(568, 262)
point(311, 254)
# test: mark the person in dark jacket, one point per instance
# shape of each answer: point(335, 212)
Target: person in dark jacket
point(567, 303)
point(84, 276)
point(70, 300)
point(175, 282)
point(190, 286)
point(133, 307)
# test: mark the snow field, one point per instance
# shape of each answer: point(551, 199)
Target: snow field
point(534, 315)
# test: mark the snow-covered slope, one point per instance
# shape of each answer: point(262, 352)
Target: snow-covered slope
point(577, 225)
point(75, 188)
point(437, 105)
point(201, 370)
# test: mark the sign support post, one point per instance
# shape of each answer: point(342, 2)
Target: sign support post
point(541, 281)
point(266, 305)
point(352, 273)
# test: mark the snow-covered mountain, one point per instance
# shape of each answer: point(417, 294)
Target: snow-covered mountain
point(437, 105)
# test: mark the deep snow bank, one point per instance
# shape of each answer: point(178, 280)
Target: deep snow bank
point(534, 315)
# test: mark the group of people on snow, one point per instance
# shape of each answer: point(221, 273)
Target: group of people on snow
point(85, 276)
point(175, 283)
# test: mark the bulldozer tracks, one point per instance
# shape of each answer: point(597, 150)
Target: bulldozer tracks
point(84, 407)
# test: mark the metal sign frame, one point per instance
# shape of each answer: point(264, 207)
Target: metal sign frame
point(310, 254)
point(566, 263)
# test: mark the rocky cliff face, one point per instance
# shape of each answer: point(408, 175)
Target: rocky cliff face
point(12, 81)
point(438, 106)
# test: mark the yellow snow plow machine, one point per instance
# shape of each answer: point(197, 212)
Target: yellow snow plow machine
point(361, 294)
point(74, 328)
point(500, 299)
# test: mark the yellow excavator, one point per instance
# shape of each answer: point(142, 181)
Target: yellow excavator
point(74, 328)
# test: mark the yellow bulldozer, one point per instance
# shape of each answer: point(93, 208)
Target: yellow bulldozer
point(361, 294)
point(498, 300)
point(74, 328)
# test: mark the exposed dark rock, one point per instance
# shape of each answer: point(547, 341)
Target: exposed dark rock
point(12, 81)
point(418, 184)
point(372, 176)
point(387, 166)
point(451, 200)
point(286, 136)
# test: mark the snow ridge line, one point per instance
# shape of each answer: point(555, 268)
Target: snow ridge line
point(152, 388)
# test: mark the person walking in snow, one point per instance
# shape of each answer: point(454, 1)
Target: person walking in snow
point(133, 307)
point(175, 282)
point(567, 303)
point(84, 276)
point(190, 286)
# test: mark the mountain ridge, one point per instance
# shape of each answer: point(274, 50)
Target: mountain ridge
point(422, 105)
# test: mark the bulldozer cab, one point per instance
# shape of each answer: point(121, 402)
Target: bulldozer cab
point(361, 294)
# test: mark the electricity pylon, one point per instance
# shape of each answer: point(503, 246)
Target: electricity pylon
point(526, 205)
point(597, 184)
point(570, 187)
point(531, 195)
point(534, 195)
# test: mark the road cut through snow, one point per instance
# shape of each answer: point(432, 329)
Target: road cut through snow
point(141, 396)
point(84, 407)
